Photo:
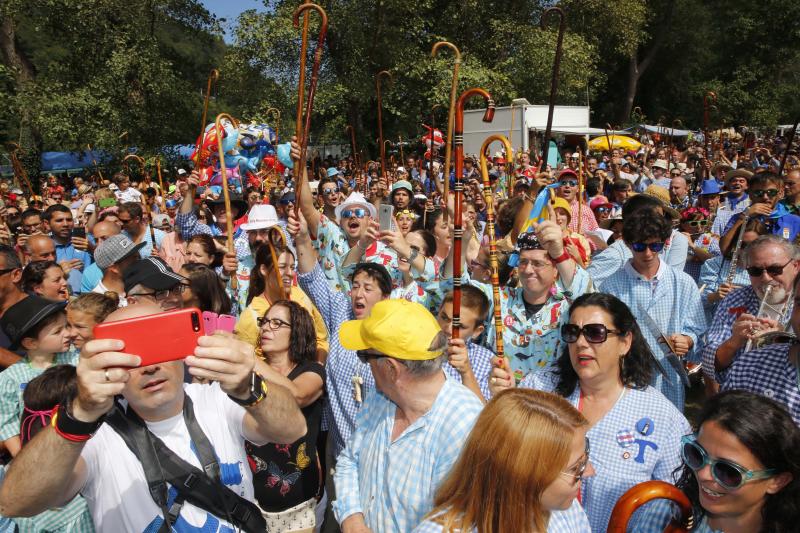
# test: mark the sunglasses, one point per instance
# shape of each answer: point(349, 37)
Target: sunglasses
point(569, 183)
point(772, 193)
point(364, 356)
point(272, 323)
point(642, 246)
point(358, 213)
point(675, 174)
point(593, 333)
point(728, 474)
point(603, 209)
point(772, 270)
point(330, 191)
point(696, 223)
point(578, 470)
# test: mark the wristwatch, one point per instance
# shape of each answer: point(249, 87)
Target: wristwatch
point(258, 391)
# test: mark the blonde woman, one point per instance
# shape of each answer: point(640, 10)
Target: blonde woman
point(520, 470)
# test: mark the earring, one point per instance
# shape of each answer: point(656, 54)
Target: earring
point(259, 352)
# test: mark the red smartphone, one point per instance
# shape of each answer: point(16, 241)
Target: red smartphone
point(158, 338)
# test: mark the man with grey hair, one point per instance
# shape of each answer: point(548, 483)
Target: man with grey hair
point(749, 312)
point(113, 256)
point(410, 432)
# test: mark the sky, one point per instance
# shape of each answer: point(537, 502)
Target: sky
point(230, 9)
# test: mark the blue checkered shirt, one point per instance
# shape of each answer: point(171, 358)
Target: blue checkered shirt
point(769, 372)
point(572, 520)
point(480, 359)
point(637, 440)
point(392, 481)
point(740, 301)
point(673, 302)
point(713, 274)
point(342, 365)
point(709, 243)
point(615, 256)
point(188, 226)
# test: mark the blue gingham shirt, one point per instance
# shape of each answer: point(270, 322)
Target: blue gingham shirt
point(67, 252)
point(615, 256)
point(769, 372)
point(637, 440)
point(342, 365)
point(673, 302)
point(710, 243)
point(480, 359)
point(713, 274)
point(738, 302)
point(392, 482)
point(571, 520)
point(188, 226)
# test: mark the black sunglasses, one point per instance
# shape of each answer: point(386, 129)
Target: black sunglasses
point(772, 193)
point(594, 333)
point(772, 270)
point(641, 246)
point(364, 356)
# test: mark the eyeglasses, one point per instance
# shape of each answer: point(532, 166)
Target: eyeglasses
point(603, 209)
point(473, 264)
point(330, 191)
point(163, 295)
point(696, 223)
point(569, 183)
point(124, 220)
point(772, 270)
point(5, 271)
point(272, 323)
point(524, 263)
point(358, 213)
point(675, 174)
point(758, 193)
point(641, 246)
point(728, 474)
point(364, 356)
point(594, 333)
point(578, 470)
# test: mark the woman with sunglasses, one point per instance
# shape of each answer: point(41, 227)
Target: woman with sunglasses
point(287, 479)
point(703, 245)
point(605, 370)
point(520, 470)
point(742, 468)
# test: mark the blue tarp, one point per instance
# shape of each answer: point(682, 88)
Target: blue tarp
point(60, 161)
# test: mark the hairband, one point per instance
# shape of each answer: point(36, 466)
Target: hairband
point(43, 416)
point(408, 212)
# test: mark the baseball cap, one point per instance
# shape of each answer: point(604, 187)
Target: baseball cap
point(24, 315)
point(161, 220)
point(153, 273)
point(115, 249)
point(397, 328)
point(181, 172)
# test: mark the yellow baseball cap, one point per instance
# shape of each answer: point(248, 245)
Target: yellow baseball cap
point(397, 328)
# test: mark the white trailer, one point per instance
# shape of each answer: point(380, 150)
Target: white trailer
point(529, 121)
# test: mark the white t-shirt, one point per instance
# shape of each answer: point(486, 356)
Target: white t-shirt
point(102, 289)
point(116, 488)
point(128, 195)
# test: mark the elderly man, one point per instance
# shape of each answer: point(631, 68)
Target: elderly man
point(679, 193)
point(408, 434)
point(191, 436)
point(113, 256)
point(10, 294)
point(151, 280)
point(92, 274)
point(772, 262)
point(42, 248)
point(791, 192)
point(770, 371)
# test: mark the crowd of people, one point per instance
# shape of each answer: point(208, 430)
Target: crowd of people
point(448, 367)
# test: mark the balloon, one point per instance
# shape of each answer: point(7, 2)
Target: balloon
point(284, 154)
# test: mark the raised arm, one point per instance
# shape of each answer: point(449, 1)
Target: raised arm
point(304, 197)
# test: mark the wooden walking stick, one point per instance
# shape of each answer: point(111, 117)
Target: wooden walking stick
point(94, 162)
point(220, 130)
point(161, 185)
point(302, 130)
point(450, 122)
point(553, 78)
point(490, 216)
point(640, 494)
point(134, 157)
point(458, 231)
point(709, 99)
point(614, 167)
point(19, 170)
point(670, 164)
point(382, 147)
point(213, 77)
point(580, 190)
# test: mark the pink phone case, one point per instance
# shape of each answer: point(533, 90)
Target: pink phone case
point(226, 323)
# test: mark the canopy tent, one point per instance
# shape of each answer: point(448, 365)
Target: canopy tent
point(663, 130)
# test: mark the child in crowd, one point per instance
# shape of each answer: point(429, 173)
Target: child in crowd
point(467, 360)
point(38, 327)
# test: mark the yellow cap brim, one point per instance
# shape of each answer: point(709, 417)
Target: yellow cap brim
point(350, 335)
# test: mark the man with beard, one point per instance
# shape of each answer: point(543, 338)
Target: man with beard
point(771, 262)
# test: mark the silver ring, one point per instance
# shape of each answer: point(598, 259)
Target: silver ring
point(106, 374)
point(494, 381)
